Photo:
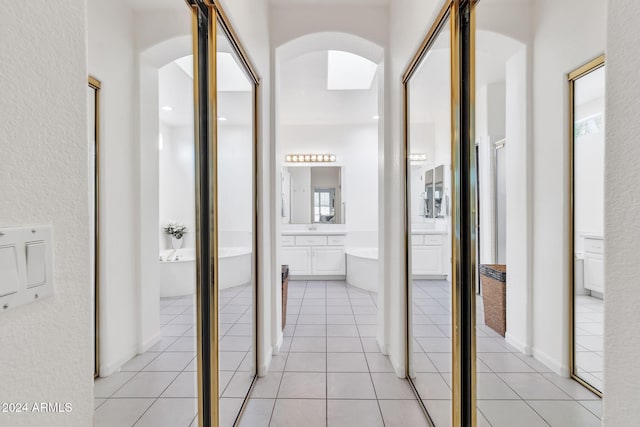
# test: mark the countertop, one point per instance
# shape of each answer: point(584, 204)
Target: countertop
point(428, 231)
point(313, 232)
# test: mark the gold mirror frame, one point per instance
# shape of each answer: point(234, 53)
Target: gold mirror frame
point(460, 15)
point(95, 84)
point(207, 287)
point(582, 71)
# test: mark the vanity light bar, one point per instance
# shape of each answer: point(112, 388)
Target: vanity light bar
point(312, 158)
point(418, 157)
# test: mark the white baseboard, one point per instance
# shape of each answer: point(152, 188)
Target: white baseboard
point(107, 369)
point(550, 363)
point(264, 368)
point(384, 349)
point(522, 347)
point(149, 342)
point(278, 346)
point(397, 367)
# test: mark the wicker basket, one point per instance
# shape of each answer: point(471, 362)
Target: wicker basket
point(285, 291)
point(494, 296)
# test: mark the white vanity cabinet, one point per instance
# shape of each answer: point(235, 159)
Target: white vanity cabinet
point(314, 254)
point(428, 255)
point(594, 263)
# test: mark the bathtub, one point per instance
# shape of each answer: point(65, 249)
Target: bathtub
point(362, 268)
point(178, 276)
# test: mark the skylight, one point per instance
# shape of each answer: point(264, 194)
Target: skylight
point(347, 71)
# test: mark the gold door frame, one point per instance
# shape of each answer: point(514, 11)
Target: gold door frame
point(572, 77)
point(205, 54)
point(95, 84)
point(460, 15)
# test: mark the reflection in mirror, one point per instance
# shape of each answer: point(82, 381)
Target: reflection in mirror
point(588, 224)
point(429, 160)
point(312, 194)
point(236, 231)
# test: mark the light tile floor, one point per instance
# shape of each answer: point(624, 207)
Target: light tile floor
point(330, 371)
point(589, 339)
point(513, 389)
point(158, 388)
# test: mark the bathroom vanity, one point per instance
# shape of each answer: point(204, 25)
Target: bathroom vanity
point(594, 263)
point(314, 254)
point(429, 254)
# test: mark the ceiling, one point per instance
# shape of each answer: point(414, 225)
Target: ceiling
point(328, 2)
point(175, 91)
point(303, 97)
point(155, 4)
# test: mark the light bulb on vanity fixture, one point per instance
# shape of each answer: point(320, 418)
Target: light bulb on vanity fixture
point(310, 158)
point(167, 108)
point(418, 157)
point(222, 119)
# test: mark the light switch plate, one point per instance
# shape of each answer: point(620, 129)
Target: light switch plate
point(26, 265)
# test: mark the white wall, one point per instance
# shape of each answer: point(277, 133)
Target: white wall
point(45, 347)
point(567, 35)
point(622, 228)
point(235, 184)
point(177, 191)
point(112, 60)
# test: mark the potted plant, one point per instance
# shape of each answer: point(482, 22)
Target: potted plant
point(176, 230)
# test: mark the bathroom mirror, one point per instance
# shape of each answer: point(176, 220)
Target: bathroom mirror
point(429, 290)
point(312, 195)
point(236, 228)
point(587, 96)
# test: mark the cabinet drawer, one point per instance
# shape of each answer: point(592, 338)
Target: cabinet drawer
point(432, 239)
point(311, 240)
point(287, 241)
point(417, 239)
point(335, 240)
point(595, 246)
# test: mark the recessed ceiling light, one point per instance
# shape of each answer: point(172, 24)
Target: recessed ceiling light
point(376, 117)
point(167, 108)
point(222, 119)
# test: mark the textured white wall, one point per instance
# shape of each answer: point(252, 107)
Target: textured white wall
point(622, 228)
point(45, 347)
point(567, 34)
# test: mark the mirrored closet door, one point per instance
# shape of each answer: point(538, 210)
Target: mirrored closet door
point(235, 146)
point(587, 147)
point(429, 275)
